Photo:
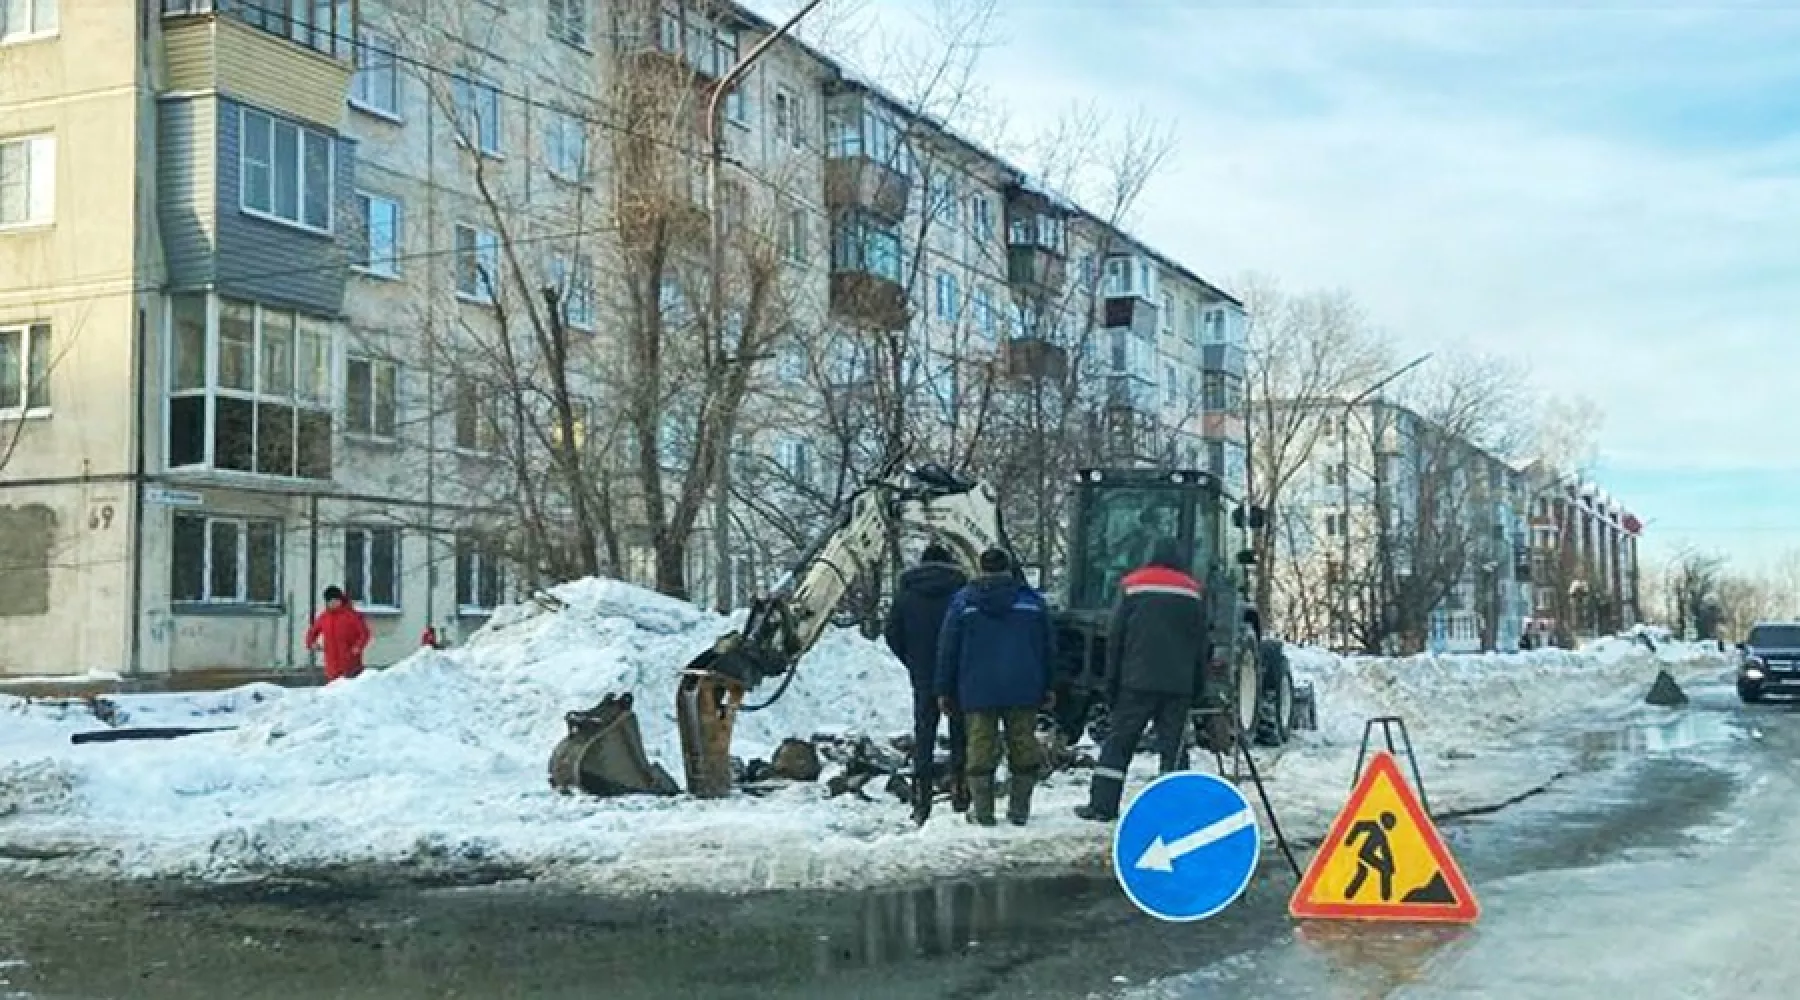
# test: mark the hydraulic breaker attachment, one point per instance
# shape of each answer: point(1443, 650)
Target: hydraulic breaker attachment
point(604, 754)
point(706, 709)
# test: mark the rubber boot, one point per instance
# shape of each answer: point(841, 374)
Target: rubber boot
point(981, 800)
point(1018, 798)
point(921, 806)
point(959, 794)
point(1103, 799)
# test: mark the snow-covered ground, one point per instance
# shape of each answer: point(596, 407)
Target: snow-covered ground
point(440, 762)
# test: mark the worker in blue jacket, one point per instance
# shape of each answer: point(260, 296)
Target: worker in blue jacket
point(994, 666)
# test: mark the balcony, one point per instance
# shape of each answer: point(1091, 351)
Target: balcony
point(868, 166)
point(866, 288)
point(1033, 358)
point(1036, 243)
point(239, 49)
point(1131, 436)
point(1130, 313)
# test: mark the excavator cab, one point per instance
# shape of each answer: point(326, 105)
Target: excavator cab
point(1116, 516)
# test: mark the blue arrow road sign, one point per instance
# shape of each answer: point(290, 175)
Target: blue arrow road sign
point(1186, 846)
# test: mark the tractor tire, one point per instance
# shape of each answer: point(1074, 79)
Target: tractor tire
point(1246, 683)
point(1275, 707)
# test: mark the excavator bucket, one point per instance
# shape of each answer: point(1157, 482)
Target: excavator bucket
point(604, 754)
point(706, 707)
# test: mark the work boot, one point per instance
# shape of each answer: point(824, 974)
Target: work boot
point(1018, 798)
point(1088, 812)
point(1103, 798)
point(921, 806)
point(981, 801)
point(959, 794)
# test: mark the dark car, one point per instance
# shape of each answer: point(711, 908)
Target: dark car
point(1771, 662)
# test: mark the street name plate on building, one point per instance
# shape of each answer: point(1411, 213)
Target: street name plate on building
point(174, 498)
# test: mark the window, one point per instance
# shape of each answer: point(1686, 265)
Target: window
point(477, 263)
point(1334, 525)
point(852, 130)
point(285, 172)
point(862, 244)
point(985, 321)
point(575, 289)
point(378, 240)
point(981, 216)
point(1171, 387)
point(477, 113)
point(1168, 314)
point(322, 25)
point(371, 563)
point(565, 145)
point(1214, 326)
point(793, 236)
point(789, 118)
point(376, 86)
point(25, 370)
point(24, 19)
point(1086, 271)
point(27, 178)
point(221, 560)
point(948, 297)
point(737, 107)
point(371, 397)
point(945, 207)
point(795, 457)
point(271, 402)
point(476, 426)
point(568, 22)
point(478, 576)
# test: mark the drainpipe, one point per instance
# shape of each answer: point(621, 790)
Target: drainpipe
point(134, 665)
point(312, 570)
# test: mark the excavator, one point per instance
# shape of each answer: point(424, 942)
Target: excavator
point(1115, 516)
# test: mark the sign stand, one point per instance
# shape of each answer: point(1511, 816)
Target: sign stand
point(1241, 755)
point(1387, 724)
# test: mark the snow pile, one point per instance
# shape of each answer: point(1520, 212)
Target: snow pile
point(440, 762)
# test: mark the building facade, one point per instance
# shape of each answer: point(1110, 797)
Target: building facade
point(1584, 560)
point(263, 267)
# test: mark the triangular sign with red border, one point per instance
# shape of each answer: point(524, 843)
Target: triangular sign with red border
point(1384, 860)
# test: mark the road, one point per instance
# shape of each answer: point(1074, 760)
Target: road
point(1664, 866)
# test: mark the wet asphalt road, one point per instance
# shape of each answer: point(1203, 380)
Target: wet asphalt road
point(1665, 865)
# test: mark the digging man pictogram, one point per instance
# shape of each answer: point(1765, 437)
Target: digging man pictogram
point(1375, 854)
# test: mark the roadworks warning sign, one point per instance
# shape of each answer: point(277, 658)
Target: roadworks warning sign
point(1384, 860)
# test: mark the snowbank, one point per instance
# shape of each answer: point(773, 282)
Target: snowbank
point(440, 762)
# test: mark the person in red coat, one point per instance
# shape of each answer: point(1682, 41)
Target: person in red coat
point(341, 630)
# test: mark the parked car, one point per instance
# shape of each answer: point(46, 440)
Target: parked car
point(1770, 662)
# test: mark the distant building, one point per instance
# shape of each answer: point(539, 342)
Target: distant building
point(1584, 559)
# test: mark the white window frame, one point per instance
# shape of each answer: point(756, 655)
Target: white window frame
point(487, 439)
point(790, 129)
point(377, 368)
point(793, 236)
point(375, 60)
point(479, 558)
point(567, 22)
point(1168, 314)
point(34, 32)
point(242, 597)
point(575, 290)
point(364, 575)
point(388, 267)
point(565, 146)
point(468, 92)
point(38, 180)
point(981, 216)
point(301, 203)
point(485, 246)
point(28, 334)
point(949, 305)
point(986, 322)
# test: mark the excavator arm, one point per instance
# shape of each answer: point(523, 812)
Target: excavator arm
point(781, 627)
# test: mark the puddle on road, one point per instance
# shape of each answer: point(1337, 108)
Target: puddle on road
point(1377, 959)
point(1601, 748)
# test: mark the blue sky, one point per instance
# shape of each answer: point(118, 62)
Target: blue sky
point(1609, 192)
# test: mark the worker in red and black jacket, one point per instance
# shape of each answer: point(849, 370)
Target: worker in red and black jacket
point(1155, 646)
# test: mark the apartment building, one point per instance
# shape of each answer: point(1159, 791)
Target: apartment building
point(1398, 535)
point(262, 265)
point(1584, 559)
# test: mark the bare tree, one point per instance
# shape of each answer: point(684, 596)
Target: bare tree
point(1305, 351)
point(1693, 591)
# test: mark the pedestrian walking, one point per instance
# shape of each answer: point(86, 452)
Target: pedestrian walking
point(913, 626)
point(343, 633)
point(994, 663)
point(1155, 648)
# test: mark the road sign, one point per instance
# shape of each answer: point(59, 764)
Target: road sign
point(173, 498)
point(1186, 846)
point(1384, 860)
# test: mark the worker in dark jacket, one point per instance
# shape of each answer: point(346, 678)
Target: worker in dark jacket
point(912, 633)
point(1154, 650)
point(994, 661)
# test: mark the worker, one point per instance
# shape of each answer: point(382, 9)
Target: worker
point(994, 662)
point(340, 628)
point(912, 630)
point(1155, 648)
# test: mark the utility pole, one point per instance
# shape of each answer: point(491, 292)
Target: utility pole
point(1344, 484)
point(715, 159)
